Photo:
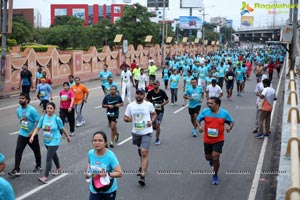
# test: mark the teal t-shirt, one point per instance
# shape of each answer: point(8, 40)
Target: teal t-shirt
point(28, 117)
point(108, 162)
point(51, 129)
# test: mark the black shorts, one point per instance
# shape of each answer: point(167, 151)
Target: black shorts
point(112, 119)
point(229, 85)
point(195, 110)
point(217, 147)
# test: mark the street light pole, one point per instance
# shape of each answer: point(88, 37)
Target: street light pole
point(163, 34)
point(3, 53)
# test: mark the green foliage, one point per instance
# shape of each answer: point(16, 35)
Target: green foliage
point(21, 30)
point(37, 48)
point(11, 42)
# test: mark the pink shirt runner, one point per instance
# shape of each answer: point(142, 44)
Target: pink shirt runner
point(65, 98)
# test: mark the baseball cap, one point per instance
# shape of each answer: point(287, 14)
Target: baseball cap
point(2, 157)
point(264, 77)
point(156, 82)
point(140, 90)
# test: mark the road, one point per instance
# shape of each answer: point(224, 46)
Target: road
point(177, 168)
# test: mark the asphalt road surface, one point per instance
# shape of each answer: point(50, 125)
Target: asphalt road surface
point(177, 169)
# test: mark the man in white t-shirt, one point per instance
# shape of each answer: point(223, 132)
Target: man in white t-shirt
point(142, 80)
point(268, 95)
point(258, 89)
point(126, 78)
point(141, 113)
point(213, 90)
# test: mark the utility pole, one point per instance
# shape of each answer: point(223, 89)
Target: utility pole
point(163, 34)
point(3, 53)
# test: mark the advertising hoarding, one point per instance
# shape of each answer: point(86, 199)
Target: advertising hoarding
point(190, 22)
point(191, 3)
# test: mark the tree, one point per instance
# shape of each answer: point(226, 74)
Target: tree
point(21, 30)
point(135, 24)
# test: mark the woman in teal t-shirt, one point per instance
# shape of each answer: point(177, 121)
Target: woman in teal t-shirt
point(52, 127)
point(104, 165)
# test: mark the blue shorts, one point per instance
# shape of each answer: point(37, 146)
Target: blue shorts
point(229, 85)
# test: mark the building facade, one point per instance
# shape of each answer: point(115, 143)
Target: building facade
point(31, 15)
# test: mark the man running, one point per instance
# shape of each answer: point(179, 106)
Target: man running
point(142, 114)
point(214, 119)
point(28, 117)
point(103, 76)
point(158, 98)
point(213, 90)
point(195, 96)
point(112, 102)
point(229, 79)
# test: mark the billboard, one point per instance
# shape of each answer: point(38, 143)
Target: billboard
point(247, 21)
point(60, 12)
point(79, 13)
point(190, 22)
point(228, 23)
point(191, 4)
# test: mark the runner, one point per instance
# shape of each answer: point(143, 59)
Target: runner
point(239, 79)
point(213, 90)
point(195, 96)
point(136, 73)
point(187, 84)
point(229, 79)
point(142, 80)
point(174, 84)
point(142, 114)
point(71, 80)
point(110, 82)
point(25, 82)
point(152, 70)
point(165, 76)
point(126, 78)
point(81, 93)
point(44, 93)
point(158, 98)
point(112, 102)
point(103, 76)
point(28, 117)
point(102, 163)
point(38, 76)
point(214, 118)
point(52, 127)
point(67, 107)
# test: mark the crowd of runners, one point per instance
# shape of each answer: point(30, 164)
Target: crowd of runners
point(203, 78)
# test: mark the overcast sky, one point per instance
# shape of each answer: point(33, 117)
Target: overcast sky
point(214, 8)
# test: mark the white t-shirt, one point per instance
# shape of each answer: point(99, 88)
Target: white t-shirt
point(258, 88)
point(269, 94)
point(142, 81)
point(214, 91)
point(125, 76)
point(140, 113)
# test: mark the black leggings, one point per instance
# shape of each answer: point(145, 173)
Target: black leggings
point(63, 113)
point(21, 144)
point(51, 154)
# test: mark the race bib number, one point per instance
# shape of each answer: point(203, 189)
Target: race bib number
point(174, 80)
point(110, 114)
point(157, 106)
point(140, 125)
point(24, 124)
point(230, 78)
point(195, 96)
point(212, 132)
point(64, 97)
point(42, 94)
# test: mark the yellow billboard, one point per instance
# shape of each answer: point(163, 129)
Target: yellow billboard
point(247, 21)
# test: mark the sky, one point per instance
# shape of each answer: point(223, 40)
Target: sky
point(214, 8)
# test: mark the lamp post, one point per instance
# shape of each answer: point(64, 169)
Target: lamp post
point(163, 34)
point(203, 23)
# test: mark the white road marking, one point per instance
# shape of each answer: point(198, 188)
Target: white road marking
point(41, 187)
point(180, 109)
point(260, 161)
point(98, 107)
point(14, 133)
point(124, 141)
